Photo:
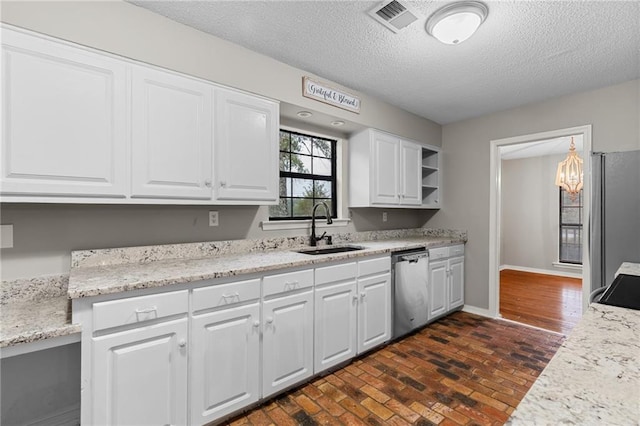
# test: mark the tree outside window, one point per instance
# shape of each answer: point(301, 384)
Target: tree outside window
point(307, 176)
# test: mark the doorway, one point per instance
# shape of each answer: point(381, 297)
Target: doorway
point(500, 148)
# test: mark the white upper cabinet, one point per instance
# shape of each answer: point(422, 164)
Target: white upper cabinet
point(172, 133)
point(410, 173)
point(63, 120)
point(384, 171)
point(246, 147)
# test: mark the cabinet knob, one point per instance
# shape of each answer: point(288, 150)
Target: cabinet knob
point(223, 184)
point(207, 183)
point(182, 343)
point(355, 298)
point(362, 295)
point(269, 320)
point(256, 323)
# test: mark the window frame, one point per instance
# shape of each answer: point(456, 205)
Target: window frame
point(561, 225)
point(333, 178)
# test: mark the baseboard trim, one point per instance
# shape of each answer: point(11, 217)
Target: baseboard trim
point(68, 416)
point(477, 311)
point(542, 271)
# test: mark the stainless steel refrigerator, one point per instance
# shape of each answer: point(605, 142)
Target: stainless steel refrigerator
point(615, 214)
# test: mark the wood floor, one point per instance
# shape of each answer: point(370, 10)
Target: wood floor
point(547, 301)
point(461, 370)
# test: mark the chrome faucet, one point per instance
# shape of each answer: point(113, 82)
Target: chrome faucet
point(313, 240)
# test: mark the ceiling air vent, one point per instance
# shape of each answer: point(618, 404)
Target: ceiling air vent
point(393, 15)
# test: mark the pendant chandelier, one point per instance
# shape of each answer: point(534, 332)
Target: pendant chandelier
point(569, 176)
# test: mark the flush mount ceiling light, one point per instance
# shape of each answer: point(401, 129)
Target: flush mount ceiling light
point(337, 123)
point(304, 114)
point(456, 22)
point(570, 176)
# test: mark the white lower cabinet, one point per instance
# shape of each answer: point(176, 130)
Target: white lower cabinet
point(336, 306)
point(162, 358)
point(374, 306)
point(287, 341)
point(140, 376)
point(446, 280)
point(225, 361)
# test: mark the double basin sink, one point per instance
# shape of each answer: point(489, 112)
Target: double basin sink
point(330, 250)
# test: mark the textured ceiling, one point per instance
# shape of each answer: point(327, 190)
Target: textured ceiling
point(526, 51)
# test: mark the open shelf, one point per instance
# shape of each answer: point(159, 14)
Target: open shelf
point(430, 177)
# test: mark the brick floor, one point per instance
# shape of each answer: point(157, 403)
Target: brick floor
point(461, 370)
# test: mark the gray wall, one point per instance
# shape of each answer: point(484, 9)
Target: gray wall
point(38, 384)
point(530, 212)
point(614, 114)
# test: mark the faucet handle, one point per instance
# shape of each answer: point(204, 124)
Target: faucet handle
point(329, 240)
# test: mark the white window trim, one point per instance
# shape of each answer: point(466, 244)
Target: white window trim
point(277, 225)
point(340, 221)
point(573, 266)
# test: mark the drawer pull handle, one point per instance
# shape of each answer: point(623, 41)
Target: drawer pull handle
point(146, 310)
point(233, 296)
point(291, 285)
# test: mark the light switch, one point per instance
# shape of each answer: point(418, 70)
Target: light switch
point(6, 236)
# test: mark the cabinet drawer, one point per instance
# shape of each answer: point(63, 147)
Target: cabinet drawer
point(225, 294)
point(329, 274)
point(138, 309)
point(290, 281)
point(374, 266)
point(438, 253)
point(457, 250)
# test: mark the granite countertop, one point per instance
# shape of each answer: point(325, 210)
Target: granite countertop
point(35, 309)
point(594, 378)
point(109, 279)
point(40, 308)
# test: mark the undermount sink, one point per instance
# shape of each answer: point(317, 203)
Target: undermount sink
point(330, 250)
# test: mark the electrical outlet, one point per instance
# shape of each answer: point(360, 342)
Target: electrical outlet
point(384, 216)
point(213, 218)
point(6, 236)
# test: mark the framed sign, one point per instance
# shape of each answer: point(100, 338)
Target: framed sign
point(321, 92)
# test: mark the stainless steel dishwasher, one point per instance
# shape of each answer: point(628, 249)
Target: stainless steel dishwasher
point(410, 291)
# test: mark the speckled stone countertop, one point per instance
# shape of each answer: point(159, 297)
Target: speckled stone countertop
point(35, 309)
point(594, 378)
point(39, 308)
point(109, 279)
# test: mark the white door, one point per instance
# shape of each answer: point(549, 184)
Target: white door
point(246, 147)
point(225, 362)
point(63, 120)
point(438, 288)
point(374, 311)
point(456, 282)
point(287, 345)
point(335, 325)
point(410, 173)
point(384, 169)
point(140, 376)
point(172, 135)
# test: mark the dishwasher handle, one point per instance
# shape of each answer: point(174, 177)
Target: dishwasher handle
point(413, 258)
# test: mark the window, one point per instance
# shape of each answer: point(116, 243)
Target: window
point(307, 176)
point(570, 228)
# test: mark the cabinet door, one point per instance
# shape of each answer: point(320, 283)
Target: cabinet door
point(335, 324)
point(287, 345)
point(172, 135)
point(456, 282)
point(225, 361)
point(140, 376)
point(384, 177)
point(246, 147)
point(438, 288)
point(410, 173)
point(63, 120)
point(374, 311)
